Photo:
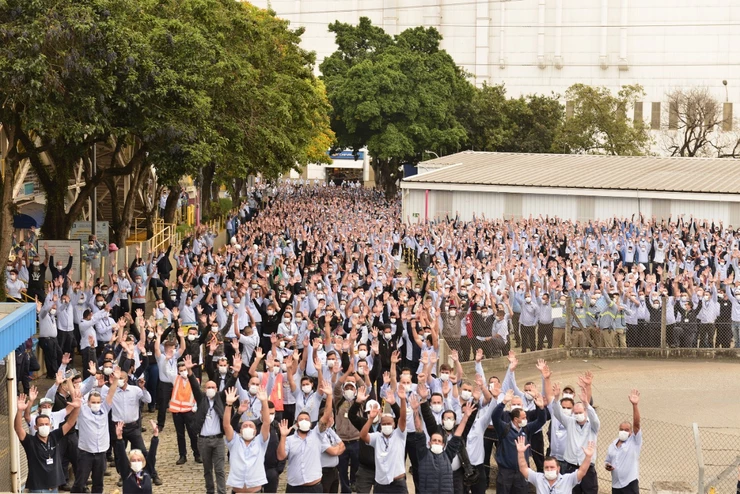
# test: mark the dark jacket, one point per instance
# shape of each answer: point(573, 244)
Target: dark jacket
point(358, 417)
point(435, 471)
point(506, 453)
point(271, 460)
point(130, 483)
point(201, 399)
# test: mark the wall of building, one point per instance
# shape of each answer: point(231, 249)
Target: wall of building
point(417, 206)
point(540, 46)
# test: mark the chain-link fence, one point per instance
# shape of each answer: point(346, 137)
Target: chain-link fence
point(720, 454)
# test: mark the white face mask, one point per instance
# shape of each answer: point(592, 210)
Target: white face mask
point(387, 336)
point(580, 417)
point(184, 374)
point(387, 430)
point(272, 417)
point(306, 388)
point(46, 412)
point(362, 354)
point(448, 424)
point(436, 449)
point(210, 393)
point(465, 395)
point(567, 412)
point(437, 408)
point(304, 425)
point(444, 377)
point(523, 423)
point(137, 466)
point(361, 371)
point(44, 430)
point(624, 435)
point(192, 337)
point(162, 306)
point(121, 383)
point(223, 369)
point(248, 433)
point(331, 363)
point(100, 304)
point(151, 334)
point(95, 407)
point(253, 389)
point(551, 474)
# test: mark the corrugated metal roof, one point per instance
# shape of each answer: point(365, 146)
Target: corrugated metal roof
point(649, 173)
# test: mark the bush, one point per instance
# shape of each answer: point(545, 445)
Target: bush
point(224, 207)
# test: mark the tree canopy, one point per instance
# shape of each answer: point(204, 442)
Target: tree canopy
point(399, 96)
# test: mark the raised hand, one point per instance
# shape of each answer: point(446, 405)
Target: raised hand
point(60, 378)
point(22, 403)
point(401, 391)
point(468, 409)
point(556, 391)
point(414, 402)
point(422, 390)
point(541, 364)
point(119, 430)
point(589, 449)
point(513, 361)
point(479, 355)
point(155, 428)
point(361, 395)
point(284, 429)
point(258, 353)
point(586, 379)
point(521, 445)
point(189, 364)
point(634, 397)
point(390, 397)
point(230, 396)
point(508, 396)
point(395, 357)
point(262, 394)
point(386, 377)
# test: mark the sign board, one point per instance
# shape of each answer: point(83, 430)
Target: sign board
point(347, 154)
point(557, 312)
point(61, 253)
point(81, 230)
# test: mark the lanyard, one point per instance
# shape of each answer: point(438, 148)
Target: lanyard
point(385, 441)
point(306, 398)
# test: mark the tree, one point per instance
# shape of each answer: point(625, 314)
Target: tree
point(521, 125)
point(599, 124)
point(693, 119)
point(398, 96)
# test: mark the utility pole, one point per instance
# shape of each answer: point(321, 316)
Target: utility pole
point(94, 208)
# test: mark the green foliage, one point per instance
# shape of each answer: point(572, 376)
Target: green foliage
point(225, 205)
point(522, 125)
point(398, 96)
point(600, 125)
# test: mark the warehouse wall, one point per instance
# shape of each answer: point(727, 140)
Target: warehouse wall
point(580, 208)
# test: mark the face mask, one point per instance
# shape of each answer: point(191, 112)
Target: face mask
point(44, 430)
point(81, 301)
point(162, 306)
point(270, 312)
point(551, 474)
point(349, 394)
point(298, 320)
point(282, 344)
point(101, 304)
point(448, 424)
point(223, 369)
point(137, 466)
point(95, 407)
point(276, 370)
point(272, 417)
point(173, 298)
point(184, 374)
point(580, 417)
point(248, 433)
point(436, 449)
point(387, 430)
point(304, 425)
point(306, 388)
point(523, 423)
point(46, 412)
point(362, 354)
point(466, 395)
point(528, 299)
point(437, 408)
point(453, 313)
point(214, 329)
point(567, 412)
point(36, 263)
point(53, 312)
point(528, 396)
point(387, 336)
point(59, 267)
point(253, 389)
point(361, 371)
point(624, 435)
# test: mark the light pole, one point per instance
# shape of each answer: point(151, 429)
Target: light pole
point(727, 94)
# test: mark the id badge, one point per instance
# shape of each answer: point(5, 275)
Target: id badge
point(50, 461)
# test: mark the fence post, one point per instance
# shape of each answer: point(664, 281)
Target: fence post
point(662, 323)
point(568, 322)
point(14, 451)
point(699, 457)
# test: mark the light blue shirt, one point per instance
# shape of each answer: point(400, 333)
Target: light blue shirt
point(93, 427)
point(625, 460)
point(126, 403)
point(304, 457)
point(563, 484)
point(330, 439)
point(389, 455)
point(246, 462)
point(211, 426)
point(307, 403)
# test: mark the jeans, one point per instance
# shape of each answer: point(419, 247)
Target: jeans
point(365, 480)
point(184, 421)
point(67, 343)
point(544, 332)
point(88, 463)
point(511, 482)
point(528, 334)
point(350, 458)
point(212, 451)
point(151, 375)
point(273, 476)
point(395, 487)
point(330, 479)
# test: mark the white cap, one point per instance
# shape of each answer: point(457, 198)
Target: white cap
point(370, 404)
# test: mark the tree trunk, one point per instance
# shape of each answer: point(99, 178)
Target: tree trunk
point(6, 220)
point(57, 222)
point(238, 190)
point(206, 202)
point(386, 177)
point(170, 208)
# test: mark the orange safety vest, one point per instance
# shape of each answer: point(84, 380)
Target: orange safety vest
point(182, 396)
point(276, 396)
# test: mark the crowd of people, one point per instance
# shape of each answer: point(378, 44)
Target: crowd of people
point(303, 350)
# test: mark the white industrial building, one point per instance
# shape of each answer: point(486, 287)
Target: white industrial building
point(575, 187)
point(541, 46)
